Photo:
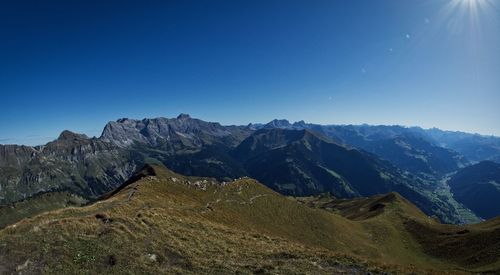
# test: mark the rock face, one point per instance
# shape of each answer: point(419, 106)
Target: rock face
point(172, 134)
point(73, 162)
point(15, 155)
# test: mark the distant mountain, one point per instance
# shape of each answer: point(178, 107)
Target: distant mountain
point(278, 123)
point(473, 146)
point(407, 148)
point(161, 222)
point(303, 162)
point(427, 151)
point(478, 187)
point(404, 148)
point(172, 135)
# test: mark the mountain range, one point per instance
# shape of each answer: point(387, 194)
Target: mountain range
point(295, 159)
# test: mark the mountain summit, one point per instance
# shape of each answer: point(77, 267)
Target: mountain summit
point(183, 116)
point(278, 123)
point(68, 135)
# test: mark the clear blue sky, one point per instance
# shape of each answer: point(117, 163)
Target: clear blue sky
point(78, 64)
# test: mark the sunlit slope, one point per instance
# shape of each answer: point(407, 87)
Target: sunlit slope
point(168, 223)
point(396, 223)
point(162, 222)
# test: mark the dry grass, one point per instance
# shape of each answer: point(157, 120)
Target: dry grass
point(168, 223)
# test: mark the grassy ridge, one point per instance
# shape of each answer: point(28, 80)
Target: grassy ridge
point(167, 223)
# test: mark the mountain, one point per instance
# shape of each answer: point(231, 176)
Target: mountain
point(473, 146)
point(278, 123)
point(74, 163)
point(90, 167)
point(304, 162)
point(162, 222)
point(172, 135)
point(408, 149)
point(187, 145)
point(292, 158)
point(478, 187)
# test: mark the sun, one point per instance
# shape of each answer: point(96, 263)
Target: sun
point(472, 5)
point(467, 14)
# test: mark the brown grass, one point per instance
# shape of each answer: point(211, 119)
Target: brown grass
point(168, 223)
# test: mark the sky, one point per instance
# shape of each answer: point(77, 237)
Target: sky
point(78, 64)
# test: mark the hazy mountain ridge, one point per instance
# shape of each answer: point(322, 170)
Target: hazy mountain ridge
point(473, 146)
point(427, 151)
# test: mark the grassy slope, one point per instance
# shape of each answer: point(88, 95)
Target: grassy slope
point(165, 224)
point(396, 222)
point(38, 204)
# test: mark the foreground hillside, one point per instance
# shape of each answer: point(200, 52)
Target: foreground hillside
point(162, 222)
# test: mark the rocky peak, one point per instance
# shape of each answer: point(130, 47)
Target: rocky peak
point(183, 116)
point(300, 124)
point(278, 123)
point(125, 120)
point(68, 135)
